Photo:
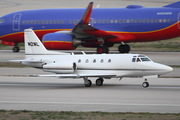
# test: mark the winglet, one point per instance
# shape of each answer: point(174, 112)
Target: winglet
point(86, 17)
point(174, 5)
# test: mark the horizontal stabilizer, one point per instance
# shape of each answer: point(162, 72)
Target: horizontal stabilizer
point(174, 5)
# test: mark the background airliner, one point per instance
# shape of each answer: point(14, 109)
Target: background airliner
point(107, 66)
point(99, 27)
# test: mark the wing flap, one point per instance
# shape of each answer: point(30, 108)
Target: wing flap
point(75, 75)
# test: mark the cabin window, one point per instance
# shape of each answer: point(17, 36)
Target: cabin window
point(115, 21)
point(94, 21)
point(35, 22)
point(63, 21)
point(99, 21)
point(70, 21)
point(31, 21)
point(127, 20)
point(164, 20)
point(39, 22)
point(107, 21)
point(102, 61)
point(139, 20)
point(54, 21)
point(1, 20)
point(27, 21)
point(169, 20)
point(47, 21)
point(43, 22)
point(94, 61)
point(87, 61)
point(79, 61)
point(124, 21)
point(156, 21)
point(103, 21)
point(147, 20)
point(152, 20)
point(132, 20)
point(119, 21)
point(135, 21)
point(109, 60)
point(160, 20)
point(74, 21)
point(23, 21)
point(59, 21)
point(144, 20)
point(51, 21)
point(112, 21)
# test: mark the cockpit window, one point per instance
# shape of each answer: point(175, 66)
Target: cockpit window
point(145, 59)
point(1, 20)
point(141, 56)
point(138, 60)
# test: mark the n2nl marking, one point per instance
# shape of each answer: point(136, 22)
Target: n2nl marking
point(33, 44)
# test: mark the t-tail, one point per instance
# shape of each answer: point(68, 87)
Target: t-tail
point(33, 46)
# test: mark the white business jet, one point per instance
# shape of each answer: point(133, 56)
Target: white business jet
point(102, 66)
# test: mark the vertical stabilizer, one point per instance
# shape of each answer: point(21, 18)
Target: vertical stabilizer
point(32, 43)
point(174, 5)
point(33, 46)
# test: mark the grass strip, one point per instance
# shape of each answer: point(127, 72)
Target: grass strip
point(54, 115)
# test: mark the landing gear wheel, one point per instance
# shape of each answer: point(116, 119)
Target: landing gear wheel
point(99, 82)
point(124, 48)
point(15, 49)
point(88, 84)
point(145, 84)
point(102, 49)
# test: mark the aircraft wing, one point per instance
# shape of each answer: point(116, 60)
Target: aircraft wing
point(84, 30)
point(75, 75)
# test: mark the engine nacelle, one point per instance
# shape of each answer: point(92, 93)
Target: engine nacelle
point(63, 67)
point(60, 41)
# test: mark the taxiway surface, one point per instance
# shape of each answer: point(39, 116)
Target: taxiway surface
point(51, 94)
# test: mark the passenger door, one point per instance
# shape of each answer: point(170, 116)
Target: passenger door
point(16, 22)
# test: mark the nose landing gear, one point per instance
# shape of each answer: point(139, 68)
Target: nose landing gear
point(145, 84)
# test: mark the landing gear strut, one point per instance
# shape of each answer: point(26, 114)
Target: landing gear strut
point(102, 49)
point(124, 48)
point(16, 48)
point(145, 84)
point(87, 82)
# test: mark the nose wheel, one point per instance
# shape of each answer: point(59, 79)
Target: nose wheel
point(145, 84)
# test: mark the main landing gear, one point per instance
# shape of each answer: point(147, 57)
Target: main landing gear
point(145, 84)
point(16, 48)
point(102, 49)
point(124, 48)
point(88, 83)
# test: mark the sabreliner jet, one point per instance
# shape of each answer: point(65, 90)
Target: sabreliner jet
point(102, 66)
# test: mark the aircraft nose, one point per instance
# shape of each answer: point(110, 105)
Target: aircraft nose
point(168, 69)
point(164, 68)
